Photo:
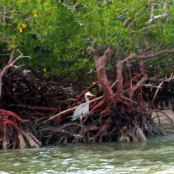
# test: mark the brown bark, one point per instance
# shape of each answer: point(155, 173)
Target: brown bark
point(42, 108)
point(100, 62)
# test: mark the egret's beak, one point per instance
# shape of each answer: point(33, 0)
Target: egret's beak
point(92, 95)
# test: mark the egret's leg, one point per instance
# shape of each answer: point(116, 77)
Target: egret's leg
point(81, 120)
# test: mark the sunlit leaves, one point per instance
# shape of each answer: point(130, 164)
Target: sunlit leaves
point(55, 33)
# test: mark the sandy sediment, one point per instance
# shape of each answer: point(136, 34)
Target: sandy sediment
point(166, 116)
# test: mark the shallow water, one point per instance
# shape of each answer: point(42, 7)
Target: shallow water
point(154, 157)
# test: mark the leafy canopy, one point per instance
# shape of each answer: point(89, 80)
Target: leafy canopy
point(58, 35)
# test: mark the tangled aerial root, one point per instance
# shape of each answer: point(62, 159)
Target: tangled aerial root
point(119, 112)
point(12, 135)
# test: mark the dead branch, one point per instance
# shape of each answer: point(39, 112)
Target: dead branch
point(10, 63)
point(139, 83)
point(153, 17)
point(156, 92)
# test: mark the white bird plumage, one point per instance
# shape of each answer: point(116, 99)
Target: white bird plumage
point(82, 109)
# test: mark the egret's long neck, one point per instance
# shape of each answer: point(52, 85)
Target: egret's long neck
point(86, 98)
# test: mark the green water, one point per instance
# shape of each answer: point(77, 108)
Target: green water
point(154, 157)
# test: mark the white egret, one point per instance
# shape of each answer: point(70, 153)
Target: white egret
point(82, 109)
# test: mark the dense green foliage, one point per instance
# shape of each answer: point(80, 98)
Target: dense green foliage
point(58, 35)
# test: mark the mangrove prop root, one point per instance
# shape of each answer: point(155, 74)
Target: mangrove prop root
point(10, 126)
point(118, 112)
point(32, 140)
point(121, 114)
point(100, 62)
point(22, 143)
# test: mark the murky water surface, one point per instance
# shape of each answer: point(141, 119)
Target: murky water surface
point(154, 157)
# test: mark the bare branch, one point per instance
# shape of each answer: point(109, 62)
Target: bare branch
point(10, 63)
point(11, 56)
point(163, 15)
point(148, 56)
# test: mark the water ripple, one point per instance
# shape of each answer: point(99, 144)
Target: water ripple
point(154, 157)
